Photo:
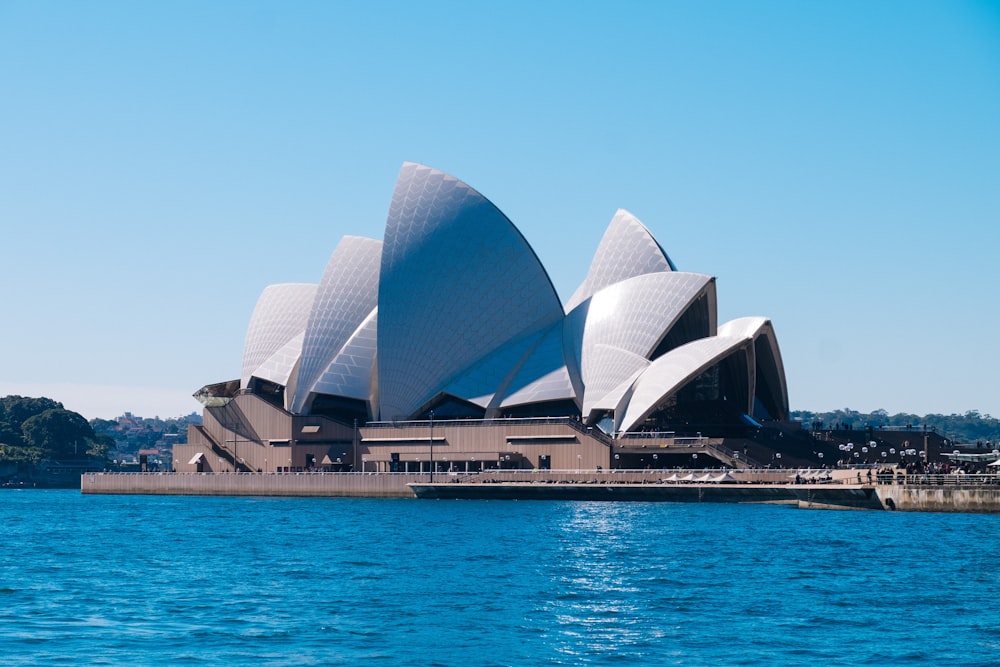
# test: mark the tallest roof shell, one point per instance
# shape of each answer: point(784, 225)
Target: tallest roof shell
point(458, 280)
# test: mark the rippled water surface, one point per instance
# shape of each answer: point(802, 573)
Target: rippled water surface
point(131, 580)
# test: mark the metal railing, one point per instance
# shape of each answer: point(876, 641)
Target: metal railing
point(732, 454)
point(646, 435)
point(949, 479)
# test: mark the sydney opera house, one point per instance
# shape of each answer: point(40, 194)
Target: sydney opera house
point(444, 346)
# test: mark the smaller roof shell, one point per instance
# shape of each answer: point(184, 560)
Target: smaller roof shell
point(346, 297)
point(626, 322)
point(626, 250)
point(770, 386)
point(668, 374)
point(280, 315)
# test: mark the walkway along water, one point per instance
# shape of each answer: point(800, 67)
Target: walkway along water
point(811, 489)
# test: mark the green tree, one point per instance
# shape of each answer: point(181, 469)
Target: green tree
point(20, 454)
point(101, 445)
point(103, 425)
point(58, 433)
point(15, 410)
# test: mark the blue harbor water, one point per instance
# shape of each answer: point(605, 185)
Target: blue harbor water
point(133, 580)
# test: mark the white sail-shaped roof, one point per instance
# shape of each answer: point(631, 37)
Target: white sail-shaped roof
point(626, 322)
point(279, 367)
point(617, 398)
point(744, 327)
point(626, 250)
point(280, 315)
point(544, 376)
point(770, 388)
point(668, 374)
point(480, 383)
point(349, 372)
point(347, 295)
point(458, 281)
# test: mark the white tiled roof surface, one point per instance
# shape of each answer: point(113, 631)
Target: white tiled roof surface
point(458, 282)
point(626, 321)
point(670, 373)
point(769, 363)
point(280, 315)
point(480, 383)
point(279, 366)
point(626, 250)
point(543, 376)
point(346, 297)
point(349, 373)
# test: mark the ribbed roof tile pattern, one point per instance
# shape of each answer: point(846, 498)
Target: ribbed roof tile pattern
point(281, 314)
point(627, 320)
point(626, 250)
point(279, 366)
point(347, 295)
point(349, 373)
point(543, 377)
point(480, 383)
point(458, 281)
point(670, 373)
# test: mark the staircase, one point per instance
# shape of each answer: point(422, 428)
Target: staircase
point(221, 450)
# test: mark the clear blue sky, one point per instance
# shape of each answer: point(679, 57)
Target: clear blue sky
point(836, 165)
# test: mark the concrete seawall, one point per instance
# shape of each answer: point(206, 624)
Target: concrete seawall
point(383, 485)
point(555, 485)
point(957, 498)
point(948, 494)
point(345, 485)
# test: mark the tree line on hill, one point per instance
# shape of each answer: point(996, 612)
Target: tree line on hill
point(969, 428)
point(41, 429)
point(33, 430)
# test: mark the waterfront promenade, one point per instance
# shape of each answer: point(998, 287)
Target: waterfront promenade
point(812, 489)
point(385, 484)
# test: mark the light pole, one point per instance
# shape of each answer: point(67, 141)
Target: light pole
point(235, 440)
point(354, 467)
point(431, 415)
